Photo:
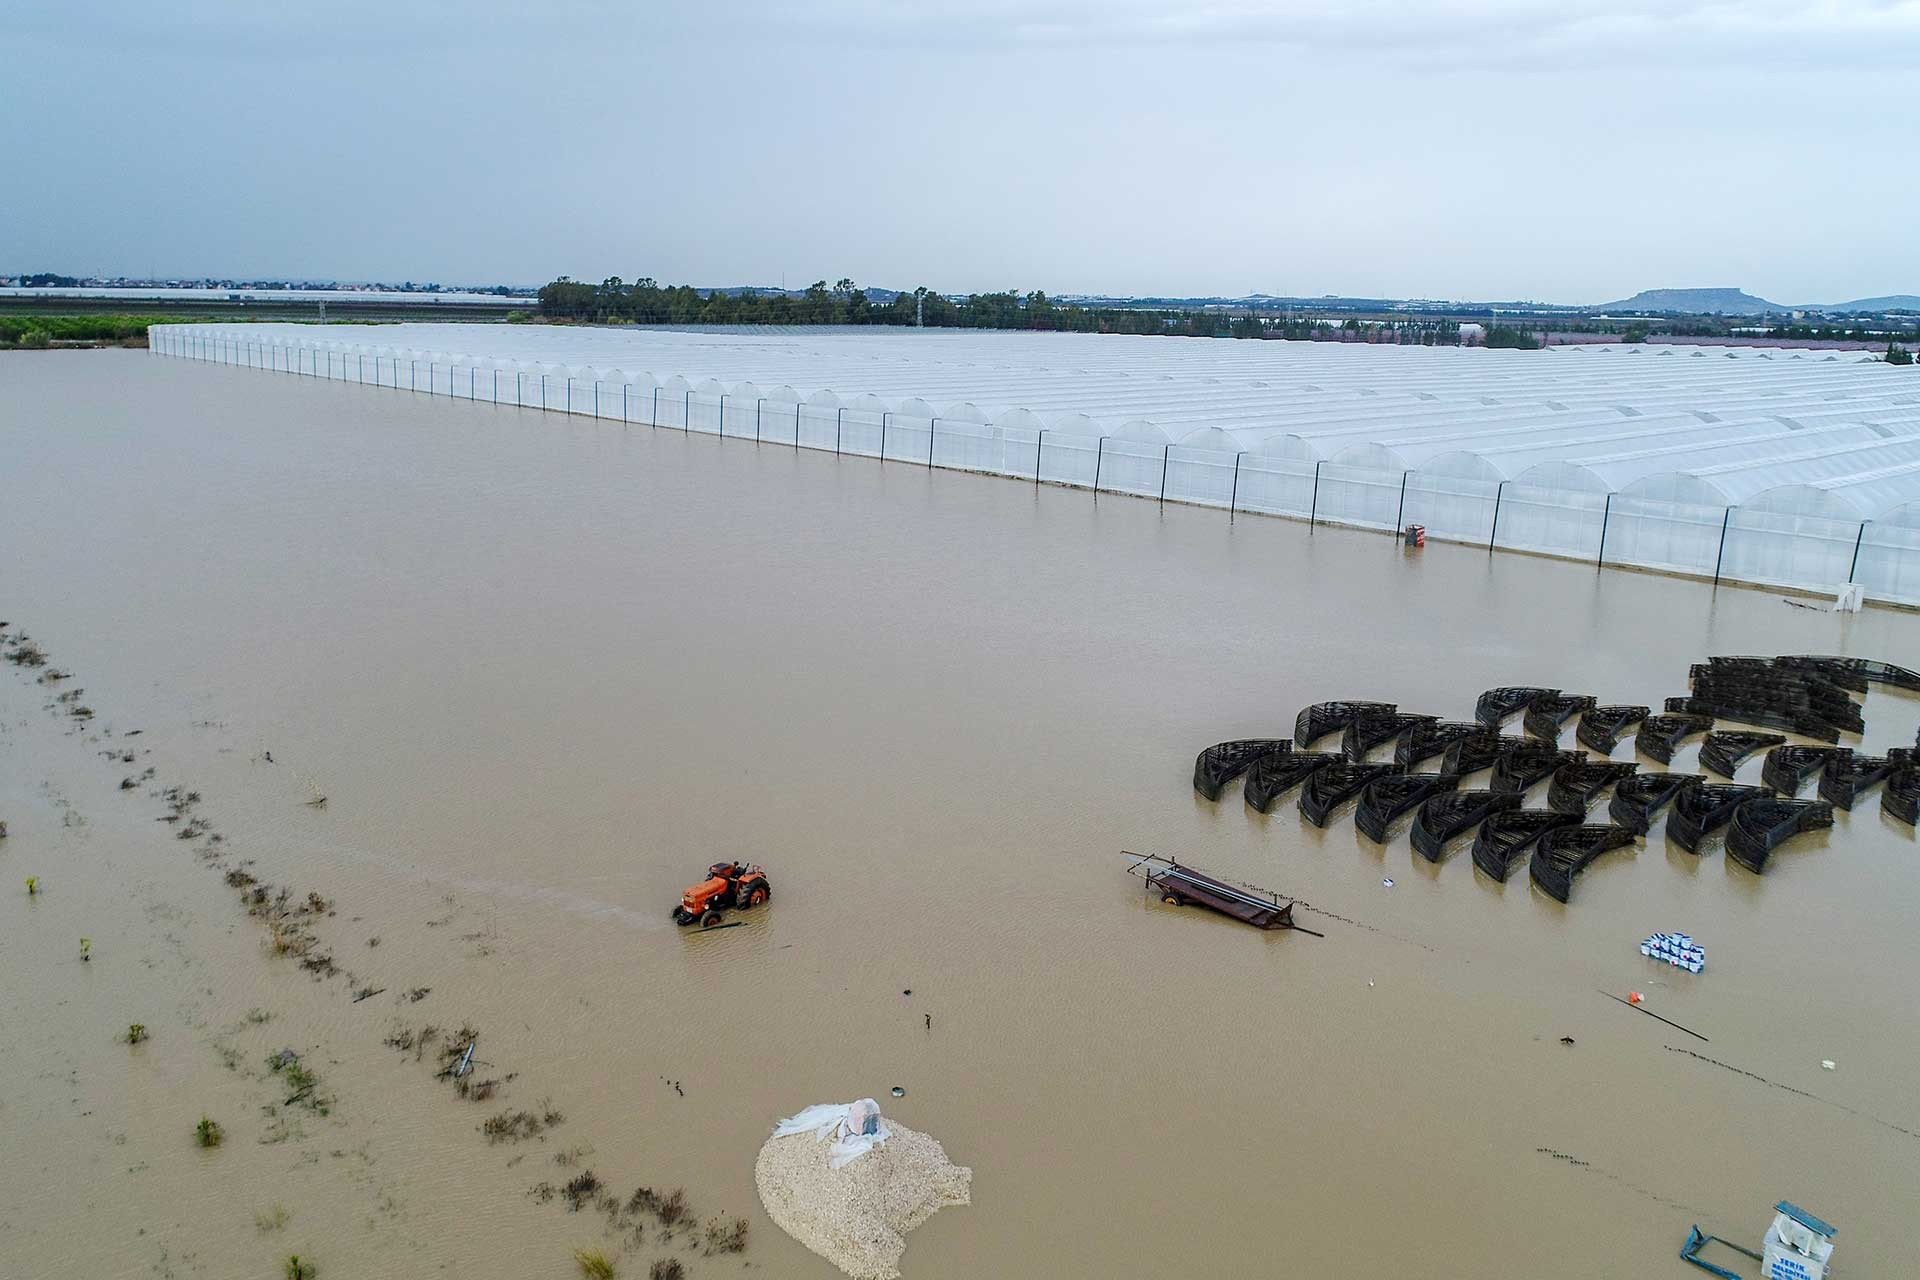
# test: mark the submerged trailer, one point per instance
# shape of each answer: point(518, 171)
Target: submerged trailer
point(1179, 885)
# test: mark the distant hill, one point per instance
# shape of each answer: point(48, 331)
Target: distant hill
point(1732, 302)
point(1892, 302)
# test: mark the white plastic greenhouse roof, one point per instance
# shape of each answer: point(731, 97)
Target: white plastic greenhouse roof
point(1742, 420)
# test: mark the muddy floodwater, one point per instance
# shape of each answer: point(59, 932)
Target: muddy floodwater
point(546, 669)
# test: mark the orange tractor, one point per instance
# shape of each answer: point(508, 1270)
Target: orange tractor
point(728, 884)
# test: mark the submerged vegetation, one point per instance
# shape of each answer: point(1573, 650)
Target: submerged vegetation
point(290, 922)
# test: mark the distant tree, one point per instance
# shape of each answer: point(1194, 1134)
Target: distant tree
point(1897, 354)
point(1634, 333)
point(1501, 335)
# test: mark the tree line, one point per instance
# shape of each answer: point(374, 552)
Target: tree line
point(645, 301)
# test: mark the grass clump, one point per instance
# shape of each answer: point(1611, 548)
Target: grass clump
point(726, 1237)
point(270, 1220)
point(297, 1268)
point(25, 653)
point(666, 1269)
point(580, 1192)
point(300, 1078)
point(593, 1264)
point(511, 1126)
point(136, 1032)
point(208, 1133)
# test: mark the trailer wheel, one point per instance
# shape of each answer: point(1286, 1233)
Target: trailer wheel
point(710, 919)
point(1173, 900)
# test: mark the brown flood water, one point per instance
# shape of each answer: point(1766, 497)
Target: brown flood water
point(546, 669)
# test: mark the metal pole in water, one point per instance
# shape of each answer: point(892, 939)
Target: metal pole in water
point(1164, 450)
point(654, 419)
point(624, 388)
point(1605, 515)
point(838, 416)
point(931, 424)
point(686, 413)
point(1495, 531)
point(885, 418)
point(1401, 514)
point(1313, 509)
point(1039, 443)
point(723, 413)
point(1858, 538)
point(1234, 499)
point(758, 407)
point(1099, 456)
point(1722, 557)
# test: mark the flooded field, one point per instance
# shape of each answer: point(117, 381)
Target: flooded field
point(546, 669)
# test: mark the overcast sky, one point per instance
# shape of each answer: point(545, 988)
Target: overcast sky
point(1491, 149)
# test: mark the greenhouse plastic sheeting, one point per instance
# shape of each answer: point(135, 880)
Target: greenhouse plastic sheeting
point(855, 1128)
point(1764, 465)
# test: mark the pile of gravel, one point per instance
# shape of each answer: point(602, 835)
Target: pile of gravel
point(858, 1217)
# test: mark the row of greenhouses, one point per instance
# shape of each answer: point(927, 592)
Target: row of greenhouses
point(1769, 465)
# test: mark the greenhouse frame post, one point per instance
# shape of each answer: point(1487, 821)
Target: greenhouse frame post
point(1493, 534)
point(653, 419)
point(1039, 442)
point(569, 400)
point(796, 424)
point(1606, 514)
point(932, 423)
point(624, 388)
point(596, 397)
point(686, 413)
point(886, 416)
point(723, 414)
point(758, 407)
point(1401, 514)
point(543, 393)
point(1313, 508)
point(1858, 538)
point(413, 375)
point(839, 415)
point(1165, 451)
point(1721, 558)
point(1099, 456)
point(1233, 499)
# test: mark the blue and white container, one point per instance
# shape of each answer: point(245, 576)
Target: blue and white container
point(1676, 949)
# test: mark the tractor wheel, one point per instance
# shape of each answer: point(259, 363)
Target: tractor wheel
point(1173, 900)
point(710, 919)
point(758, 896)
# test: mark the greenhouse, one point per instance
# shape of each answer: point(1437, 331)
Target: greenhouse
point(1783, 467)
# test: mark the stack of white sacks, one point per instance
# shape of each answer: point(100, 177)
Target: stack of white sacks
point(1676, 949)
